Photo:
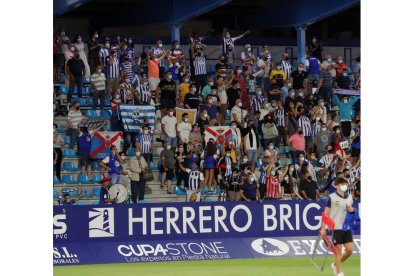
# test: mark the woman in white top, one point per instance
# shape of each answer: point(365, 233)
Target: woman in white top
point(222, 87)
point(83, 49)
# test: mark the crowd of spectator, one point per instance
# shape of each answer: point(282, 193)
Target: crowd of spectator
point(286, 122)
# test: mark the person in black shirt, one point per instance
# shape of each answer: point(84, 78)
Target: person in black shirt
point(298, 77)
point(168, 95)
point(191, 100)
point(290, 99)
point(315, 48)
point(274, 91)
point(221, 67)
point(308, 187)
point(75, 68)
point(342, 81)
point(249, 191)
point(233, 93)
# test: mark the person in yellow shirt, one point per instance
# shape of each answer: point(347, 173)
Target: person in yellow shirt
point(280, 74)
point(184, 87)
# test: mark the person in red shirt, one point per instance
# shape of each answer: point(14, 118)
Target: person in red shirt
point(339, 66)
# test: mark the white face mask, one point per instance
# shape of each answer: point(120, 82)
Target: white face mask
point(259, 93)
point(301, 158)
point(228, 154)
point(249, 49)
point(252, 179)
point(300, 94)
point(99, 70)
point(205, 115)
point(193, 89)
point(323, 129)
point(145, 83)
point(338, 131)
point(322, 104)
point(267, 105)
point(186, 80)
point(186, 120)
point(117, 96)
point(210, 83)
point(168, 147)
point(318, 119)
point(240, 104)
point(210, 100)
point(169, 77)
point(107, 45)
point(291, 170)
point(227, 36)
point(300, 68)
point(329, 59)
point(245, 160)
point(340, 61)
point(343, 188)
point(96, 35)
point(160, 45)
point(233, 126)
point(348, 167)
point(146, 131)
point(177, 46)
point(273, 173)
point(345, 100)
point(180, 149)
point(286, 178)
point(239, 71)
point(123, 157)
point(345, 74)
point(79, 40)
point(271, 147)
point(171, 113)
point(289, 85)
point(292, 94)
point(314, 40)
point(72, 49)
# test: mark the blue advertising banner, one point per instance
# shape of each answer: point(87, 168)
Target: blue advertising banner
point(185, 231)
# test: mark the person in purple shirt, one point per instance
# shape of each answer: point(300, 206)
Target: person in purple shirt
point(211, 107)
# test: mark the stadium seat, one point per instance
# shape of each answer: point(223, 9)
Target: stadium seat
point(84, 102)
point(81, 202)
point(179, 191)
point(68, 179)
point(91, 114)
point(56, 180)
point(107, 102)
point(68, 166)
point(66, 190)
point(208, 199)
point(97, 178)
point(96, 166)
point(96, 202)
point(90, 101)
point(211, 69)
point(64, 89)
point(67, 140)
point(151, 166)
point(86, 194)
point(55, 193)
point(104, 114)
point(75, 99)
point(83, 179)
point(96, 191)
point(86, 90)
point(130, 152)
point(143, 201)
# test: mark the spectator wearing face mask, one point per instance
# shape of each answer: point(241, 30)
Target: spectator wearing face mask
point(329, 65)
point(345, 112)
point(126, 91)
point(112, 163)
point(280, 75)
point(98, 81)
point(145, 142)
point(249, 191)
point(104, 53)
point(74, 120)
point(299, 77)
point(297, 143)
point(196, 182)
point(159, 53)
point(356, 142)
point(126, 68)
point(184, 87)
point(273, 181)
point(167, 91)
point(68, 51)
point(252, 144)
point(228, 40)
point(322, 140)
point(233, 93)
point(285, 90)
point(191, 100)
point(94, 48)
point(83, 52)
point(293, 181)
point(84, 148)
point(115, 116)
point(247, 57)
point(257, 100)
point(211, 107)
point(286, 66)
point(236, 137)
point(264, 65)
point(207, 88)
point(145, 96)
point(184, 129)
point(58, 143)
point(342, 81)
point(167, 166)
point(237, 113)
point(312, 65)
point(315, 48)
point(327, 157)
point(195, 136)
point(137, 166)
point(112, 71)
point(308, 187)
point(269, 130)
point(169, 128)
point(340, 65)
point(75, 68)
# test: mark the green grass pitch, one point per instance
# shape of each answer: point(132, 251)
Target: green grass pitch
point(248, 267)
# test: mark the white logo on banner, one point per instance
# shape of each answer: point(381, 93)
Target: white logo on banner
point(101, 222)
point(270, 247)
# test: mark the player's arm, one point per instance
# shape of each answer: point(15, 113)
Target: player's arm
point(79, 197)
point(327, 212)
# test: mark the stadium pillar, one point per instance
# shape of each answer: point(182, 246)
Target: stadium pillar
point(301, 41)
point(175, 32)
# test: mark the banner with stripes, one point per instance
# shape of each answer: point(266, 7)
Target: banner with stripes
point(102, 141)
point(349, 92)
point(192, 114)
point(133, 116)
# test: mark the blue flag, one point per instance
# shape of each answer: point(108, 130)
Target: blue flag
point(352, 222)
point(133, 116)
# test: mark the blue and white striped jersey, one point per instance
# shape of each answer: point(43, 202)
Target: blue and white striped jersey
point(305, 124)
point(281, 117)
point(194, 180)
point(200, 65)
point(112, 71)
point(145, 141)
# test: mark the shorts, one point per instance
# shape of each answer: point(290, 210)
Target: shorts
point(223, 109)
point(252, 156)
point(153, 83)
point(168, 174)
point(171, 140)
point(115, 178)
point(168, 103)
point(342, 237)
point(313, 77)
point(85, 159)
point(355, 152)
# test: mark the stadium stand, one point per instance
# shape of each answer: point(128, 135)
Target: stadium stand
point(283, 127)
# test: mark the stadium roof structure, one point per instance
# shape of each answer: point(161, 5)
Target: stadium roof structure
point(282, 13)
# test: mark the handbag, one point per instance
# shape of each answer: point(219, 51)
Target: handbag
point(147, 174)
